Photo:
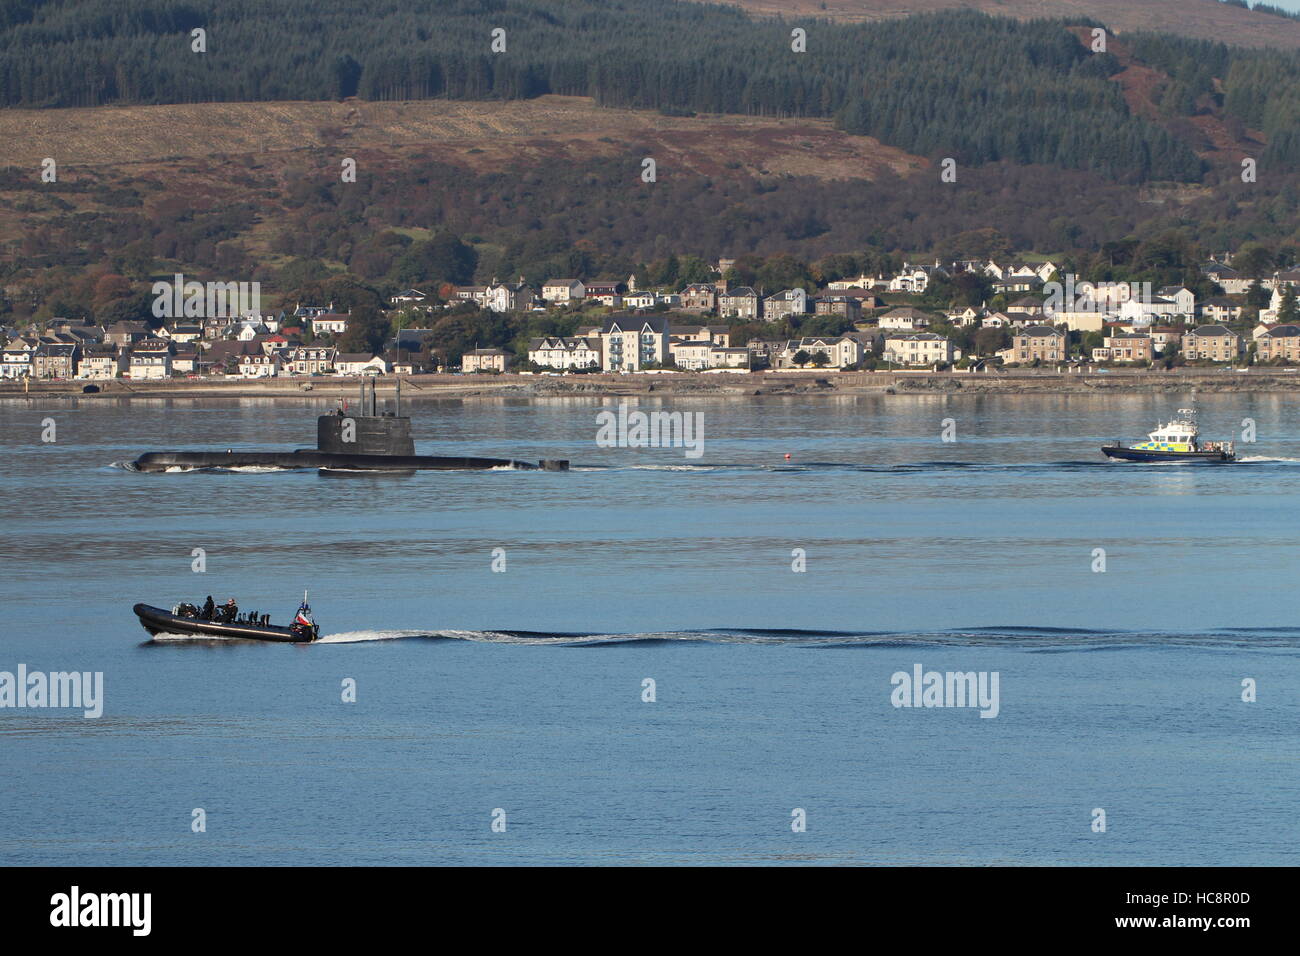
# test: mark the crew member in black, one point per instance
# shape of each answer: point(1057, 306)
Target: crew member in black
point(208, 608)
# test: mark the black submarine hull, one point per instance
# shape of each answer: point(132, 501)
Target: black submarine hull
point(155, 620)
point(309, 458)
point(364, 441)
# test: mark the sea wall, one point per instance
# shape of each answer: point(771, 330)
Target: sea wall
point(762, 383)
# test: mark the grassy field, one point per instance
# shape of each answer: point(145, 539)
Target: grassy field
point(478, 135)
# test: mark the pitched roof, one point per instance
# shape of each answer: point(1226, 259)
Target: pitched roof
point(635, 323)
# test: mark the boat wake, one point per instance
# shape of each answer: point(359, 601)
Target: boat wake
point(186, 469)
point(362, 637)
point(898, 468)
point(1046, 639)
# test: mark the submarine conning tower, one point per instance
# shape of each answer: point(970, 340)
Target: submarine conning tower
point(367, 432)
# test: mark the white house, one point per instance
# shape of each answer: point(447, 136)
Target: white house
point(640, 300)
point(329, 323)
point(360, 363)
point(17, 360)
point(499, 297)
point(150, 359)
point(1183, 298)
point(905, 319)
point(861, 282)
point(259, 365)
point(485, 360)
point(558, 352)
point(251, 330)
point(922, 348)
point(563, 290)
point(1144, 313)
point(910, 279)
point(100, 364)
point(839, 351)
point(1229, 279)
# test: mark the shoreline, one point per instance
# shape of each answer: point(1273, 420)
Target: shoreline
point(682, 384)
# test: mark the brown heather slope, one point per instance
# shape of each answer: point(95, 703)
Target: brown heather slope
point(1140, 83)
point(478, 135)
point(1201, 19)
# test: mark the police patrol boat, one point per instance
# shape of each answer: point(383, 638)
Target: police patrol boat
point(1179, 440)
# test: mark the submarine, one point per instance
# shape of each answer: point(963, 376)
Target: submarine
point(369, 441)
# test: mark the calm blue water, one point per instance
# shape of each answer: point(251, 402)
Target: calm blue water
point(522, 690)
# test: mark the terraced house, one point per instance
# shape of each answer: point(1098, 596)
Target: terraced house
point(699, 297)
point(845, 306)
point(1037, 343)
point(783, 304)
point(1279, 342)
point(700, 354)
point(1127, 347)
point(1213, 342)
point(55, 360)
point(740, 303)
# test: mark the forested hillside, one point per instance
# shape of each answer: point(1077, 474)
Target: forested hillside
point(1240, 22)
point(959, 84)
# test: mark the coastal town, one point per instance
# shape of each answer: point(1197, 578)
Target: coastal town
point(1032, 317)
